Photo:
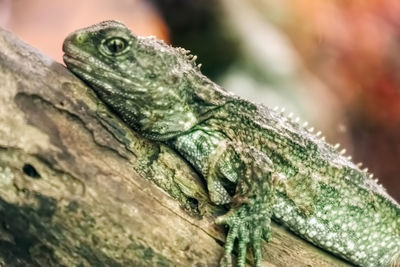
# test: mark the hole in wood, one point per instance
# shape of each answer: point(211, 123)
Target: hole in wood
point(29, 170)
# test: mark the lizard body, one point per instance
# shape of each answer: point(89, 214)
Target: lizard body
point(260, 162)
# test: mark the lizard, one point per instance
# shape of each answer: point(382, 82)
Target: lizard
point(256, 161)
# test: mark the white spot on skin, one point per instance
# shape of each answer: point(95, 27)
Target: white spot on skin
point(350, 245)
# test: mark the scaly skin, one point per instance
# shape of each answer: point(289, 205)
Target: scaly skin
point(261, 163)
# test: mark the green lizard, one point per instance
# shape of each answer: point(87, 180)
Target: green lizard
point(256, 160)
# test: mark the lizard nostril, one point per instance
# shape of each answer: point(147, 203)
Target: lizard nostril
point(81, 38)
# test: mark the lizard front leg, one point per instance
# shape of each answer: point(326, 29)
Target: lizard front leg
point(231, 170)
point(250, 215)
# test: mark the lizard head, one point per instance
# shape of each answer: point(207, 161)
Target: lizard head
point(155, 88)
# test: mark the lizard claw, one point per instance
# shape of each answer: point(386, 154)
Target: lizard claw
point(247, 228)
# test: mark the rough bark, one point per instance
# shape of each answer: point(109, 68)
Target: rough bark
point(79, 188)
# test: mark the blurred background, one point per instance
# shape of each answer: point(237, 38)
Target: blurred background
point(334, 63)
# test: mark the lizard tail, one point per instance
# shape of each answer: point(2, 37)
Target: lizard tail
point(395, 262)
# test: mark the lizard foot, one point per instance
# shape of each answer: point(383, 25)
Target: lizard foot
point(248, 228)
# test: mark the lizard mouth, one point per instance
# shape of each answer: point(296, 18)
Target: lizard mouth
point(97, 74)
point(86, 72)
point(86, 67)
point(79, 68)
point(75, 59)
point(75, 64)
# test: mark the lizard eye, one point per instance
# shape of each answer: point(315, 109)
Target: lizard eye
point(115, 46)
